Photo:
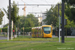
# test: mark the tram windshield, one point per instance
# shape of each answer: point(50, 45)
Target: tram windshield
point(47, 30)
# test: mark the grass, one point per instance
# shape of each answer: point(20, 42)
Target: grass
point(29, 43)
point(28, 38)
point(1, 35)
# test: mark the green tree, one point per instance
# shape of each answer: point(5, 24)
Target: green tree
point(71, 2)
point(27, 22)
point(1, 16)
point(69, 23)
point(52, 16)
point(33, 18)
point(70, 10)
point(14, 14)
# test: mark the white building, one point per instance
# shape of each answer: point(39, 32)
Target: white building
point(40, 19)
point(43, 17)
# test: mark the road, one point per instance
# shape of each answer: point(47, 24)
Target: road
point(2, 37)
point(64, 36)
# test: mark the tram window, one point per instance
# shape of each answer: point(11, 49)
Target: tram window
point(47, 30)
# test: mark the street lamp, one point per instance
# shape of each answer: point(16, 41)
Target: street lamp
point(59, 22)
point(23, 31)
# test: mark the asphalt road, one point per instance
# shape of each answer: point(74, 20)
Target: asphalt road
point(2, 37)
point(64, 36)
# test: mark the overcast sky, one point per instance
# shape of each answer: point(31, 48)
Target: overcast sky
point(5, 3)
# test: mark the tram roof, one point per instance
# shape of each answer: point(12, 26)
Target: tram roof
point(37, 27)
point(41, 26)
point(46, 25)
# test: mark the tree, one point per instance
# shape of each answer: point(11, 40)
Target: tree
point(1, 16)
point(52, 16)
point(14, 14)
point(27, 22)
point(70, 10)
point(33, 18)
point(71, 2)
point(69, 23)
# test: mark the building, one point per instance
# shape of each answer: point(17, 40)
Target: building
point(43, 17)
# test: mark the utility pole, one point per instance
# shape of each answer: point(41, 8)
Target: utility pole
point(62, 22)
point(59, 22)
point(10, 19)
point(23, 31)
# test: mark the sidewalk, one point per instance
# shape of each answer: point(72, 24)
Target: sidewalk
point(64, 36)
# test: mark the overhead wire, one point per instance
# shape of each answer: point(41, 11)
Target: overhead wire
point(35, 1)
point(46, 1)
point(54, 1)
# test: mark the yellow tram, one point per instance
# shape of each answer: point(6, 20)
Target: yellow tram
point(44, 31)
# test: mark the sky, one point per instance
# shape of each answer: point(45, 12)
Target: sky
point(5, 3)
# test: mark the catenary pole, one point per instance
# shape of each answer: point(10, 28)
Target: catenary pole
point(10, 19)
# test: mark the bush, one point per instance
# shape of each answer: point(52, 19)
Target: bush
point(27, 29)
point(4, 29)
point(0, 29)
point(68, 31)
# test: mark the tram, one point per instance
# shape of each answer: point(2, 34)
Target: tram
point(44, 31)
